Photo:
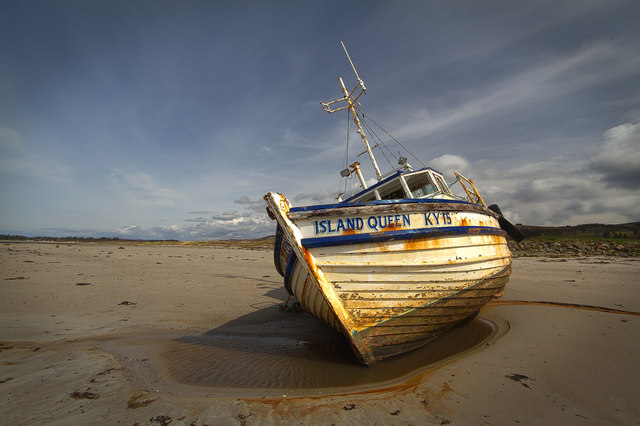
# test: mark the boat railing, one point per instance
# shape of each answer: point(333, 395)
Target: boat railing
point(472, 192)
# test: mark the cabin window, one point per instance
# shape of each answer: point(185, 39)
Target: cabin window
point(392, 190)
point(395, 195)
point(420, 184)
point(442, 184)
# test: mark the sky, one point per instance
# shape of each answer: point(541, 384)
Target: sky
point(171, 119)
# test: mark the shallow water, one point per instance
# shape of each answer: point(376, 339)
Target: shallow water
point(277, 362)
point(290, 363)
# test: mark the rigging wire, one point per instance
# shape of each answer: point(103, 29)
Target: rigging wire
point(377, 139)
point(397, 141)
point(378, 142)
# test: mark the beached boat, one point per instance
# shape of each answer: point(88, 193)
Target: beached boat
point(397, 264)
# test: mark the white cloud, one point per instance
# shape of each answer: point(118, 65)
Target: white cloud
point(222, 226)
point(252, 222)
point(125, 230)
point(569, 190)
point(169, 232)
point(619, 156)
point(447, 163)
point(228, 216)
point(252, 226)
point(238, 227)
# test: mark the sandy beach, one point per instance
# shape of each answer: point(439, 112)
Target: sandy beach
point(189, 335)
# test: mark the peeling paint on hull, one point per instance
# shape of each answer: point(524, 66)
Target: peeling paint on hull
point(395, 288)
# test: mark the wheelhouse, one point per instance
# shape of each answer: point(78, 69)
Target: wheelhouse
point(423, 183)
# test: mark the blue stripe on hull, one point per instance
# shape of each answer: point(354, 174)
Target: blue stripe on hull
point(291, 263)
point(276, 251)
point(407, 234)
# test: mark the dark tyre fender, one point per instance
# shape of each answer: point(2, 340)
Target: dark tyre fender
point(510, 228)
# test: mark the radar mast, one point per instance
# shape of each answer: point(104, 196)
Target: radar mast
point(350, 100)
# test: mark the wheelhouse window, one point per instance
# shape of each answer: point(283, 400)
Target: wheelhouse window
point(420, 184)
point(425, 183)
point(392, 190)
point(444, 188)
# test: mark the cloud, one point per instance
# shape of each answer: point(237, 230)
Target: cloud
point(223, 217)
point(239, 227)
point(588, 67)
point(135, 232)
point(252, 222)
point(256, 206)
point(567, 189)
point(501, 86)
point(245, 200)
point(619, 156)
point(318, 197)
point(128, 229)
point(141, 188)
point(227, 225)
point(447, 163)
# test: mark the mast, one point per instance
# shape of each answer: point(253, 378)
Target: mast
point(350, 102)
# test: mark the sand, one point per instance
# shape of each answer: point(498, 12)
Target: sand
point(128, 334)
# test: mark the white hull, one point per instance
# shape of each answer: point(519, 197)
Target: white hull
point(391, 276)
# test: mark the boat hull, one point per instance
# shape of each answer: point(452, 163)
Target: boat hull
point(390, 276)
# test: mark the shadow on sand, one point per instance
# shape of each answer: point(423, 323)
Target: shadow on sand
point(272, 349)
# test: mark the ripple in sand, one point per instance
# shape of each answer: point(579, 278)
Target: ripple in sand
point(276, 362)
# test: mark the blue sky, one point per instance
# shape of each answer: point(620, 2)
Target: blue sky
point(171, 119)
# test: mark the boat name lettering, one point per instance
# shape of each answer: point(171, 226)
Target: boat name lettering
point(375, 223)
point(438, 218)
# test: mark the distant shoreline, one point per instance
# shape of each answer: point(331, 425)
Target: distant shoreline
point(255, 244)
point(621, 240)
point(620, 232)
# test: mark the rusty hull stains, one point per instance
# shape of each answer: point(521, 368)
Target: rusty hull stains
point(394, 296)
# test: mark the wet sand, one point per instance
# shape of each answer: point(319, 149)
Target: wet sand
point(105, 334)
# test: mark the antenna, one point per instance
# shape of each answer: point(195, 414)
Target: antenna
point(353, 66)
point(350, 101)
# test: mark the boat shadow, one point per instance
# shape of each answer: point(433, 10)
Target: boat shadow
point(266, 349)
point(271, 348)
point(276, 333)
